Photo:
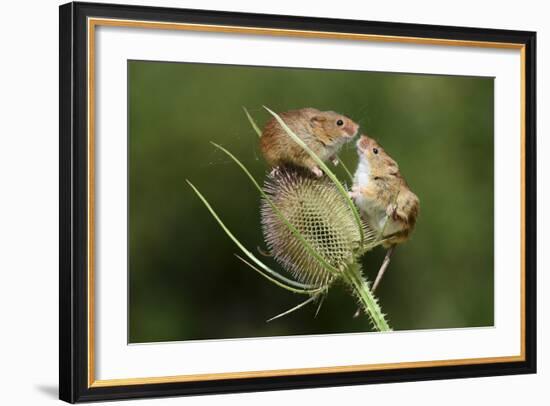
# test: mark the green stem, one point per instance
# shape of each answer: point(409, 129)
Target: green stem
point(350, 176)
point(352, 276)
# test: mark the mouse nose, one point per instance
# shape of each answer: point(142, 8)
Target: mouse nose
point(351, 129)
point(363, 143)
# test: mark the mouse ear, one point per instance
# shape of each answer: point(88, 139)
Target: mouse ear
point(318, 118)
point(393, 166)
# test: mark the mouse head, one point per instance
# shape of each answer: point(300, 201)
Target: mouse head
point(333, 128)
point(377, 158)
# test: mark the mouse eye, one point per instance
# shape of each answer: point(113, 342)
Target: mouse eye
point(339, 123)
point(375, 150)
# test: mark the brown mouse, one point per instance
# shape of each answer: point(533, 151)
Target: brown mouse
point(324, 132)
point(383, 197)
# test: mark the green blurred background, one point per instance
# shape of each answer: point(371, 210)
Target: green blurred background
point(185, 282)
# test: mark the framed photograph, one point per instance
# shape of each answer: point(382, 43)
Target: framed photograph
point(257, 202)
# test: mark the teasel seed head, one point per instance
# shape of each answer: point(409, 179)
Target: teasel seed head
point(318, 211)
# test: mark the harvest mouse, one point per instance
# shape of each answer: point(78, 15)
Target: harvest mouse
point(324, 132)
point(383, 197)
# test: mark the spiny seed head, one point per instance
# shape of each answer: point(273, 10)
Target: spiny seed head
point(319, 212)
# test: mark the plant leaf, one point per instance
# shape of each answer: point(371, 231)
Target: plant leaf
point(279, 283)
point(243, 249)
point(305, 302)
point(252, 122)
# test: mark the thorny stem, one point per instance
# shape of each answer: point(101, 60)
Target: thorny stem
point(384, 267)
point(352, 276)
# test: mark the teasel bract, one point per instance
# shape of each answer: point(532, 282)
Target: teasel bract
point(313, 230)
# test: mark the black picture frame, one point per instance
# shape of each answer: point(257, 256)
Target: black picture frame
point(73, 284)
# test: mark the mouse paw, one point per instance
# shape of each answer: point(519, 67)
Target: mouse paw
point(355, 192)
point(335, 161)
point(317, 171)
point(274, 171)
